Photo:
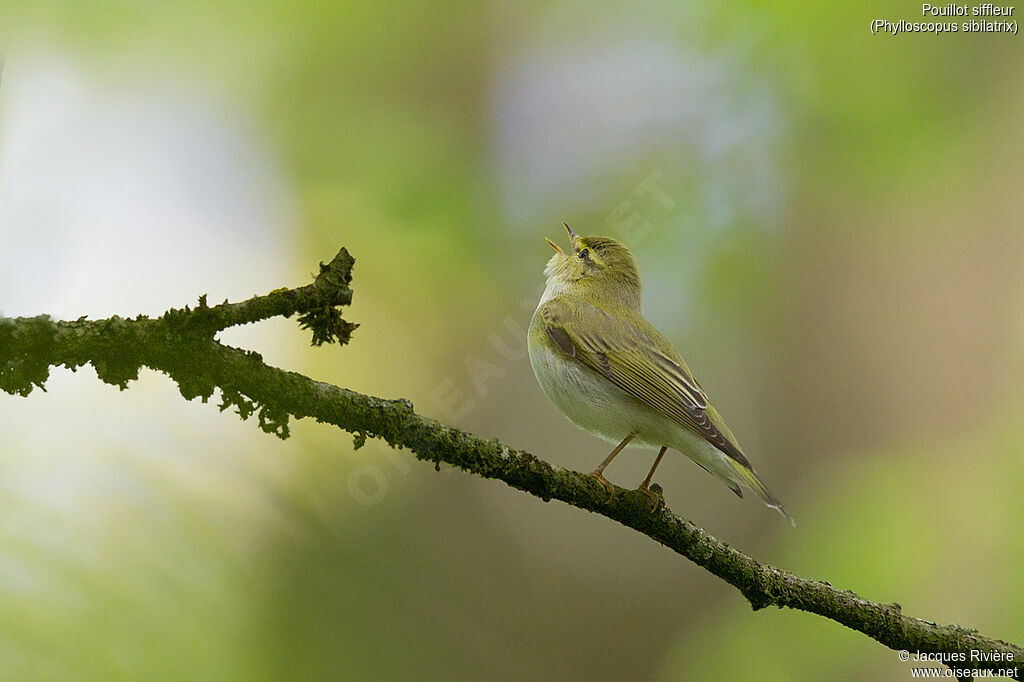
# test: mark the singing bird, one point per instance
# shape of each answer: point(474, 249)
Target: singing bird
point(613, 374)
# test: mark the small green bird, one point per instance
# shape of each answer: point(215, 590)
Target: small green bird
point(610, 372)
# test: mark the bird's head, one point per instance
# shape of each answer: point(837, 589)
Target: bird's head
point(596, 268)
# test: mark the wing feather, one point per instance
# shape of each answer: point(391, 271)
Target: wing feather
point(637, 359)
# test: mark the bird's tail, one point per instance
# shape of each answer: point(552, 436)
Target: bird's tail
point(748, 478)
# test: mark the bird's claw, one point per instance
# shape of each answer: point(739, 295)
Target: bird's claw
point(655, 495)
point(604, 481)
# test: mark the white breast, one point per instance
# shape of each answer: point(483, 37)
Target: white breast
point(591, 401)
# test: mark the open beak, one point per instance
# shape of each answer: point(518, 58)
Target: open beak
point(573, 237)
point(573, 240)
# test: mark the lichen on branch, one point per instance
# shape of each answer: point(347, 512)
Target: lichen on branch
point(182, 344)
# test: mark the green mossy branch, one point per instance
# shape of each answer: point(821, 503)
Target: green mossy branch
point(181, 344)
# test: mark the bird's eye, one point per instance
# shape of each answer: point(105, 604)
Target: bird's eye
point(584, 254)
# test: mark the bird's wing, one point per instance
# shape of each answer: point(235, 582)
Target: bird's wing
point(636, 358)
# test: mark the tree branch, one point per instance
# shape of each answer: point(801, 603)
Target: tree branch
point(181, 344)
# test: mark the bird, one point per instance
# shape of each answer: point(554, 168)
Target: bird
point(613, 374)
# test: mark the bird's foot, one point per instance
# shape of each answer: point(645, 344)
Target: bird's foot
point(596, 473)
point(657, 500)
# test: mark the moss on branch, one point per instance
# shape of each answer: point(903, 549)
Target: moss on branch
point(182, 344)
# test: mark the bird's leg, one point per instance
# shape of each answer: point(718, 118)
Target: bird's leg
point(598, 473)
point(644, 487)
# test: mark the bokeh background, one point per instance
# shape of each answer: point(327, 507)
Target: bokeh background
point(828, 226)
